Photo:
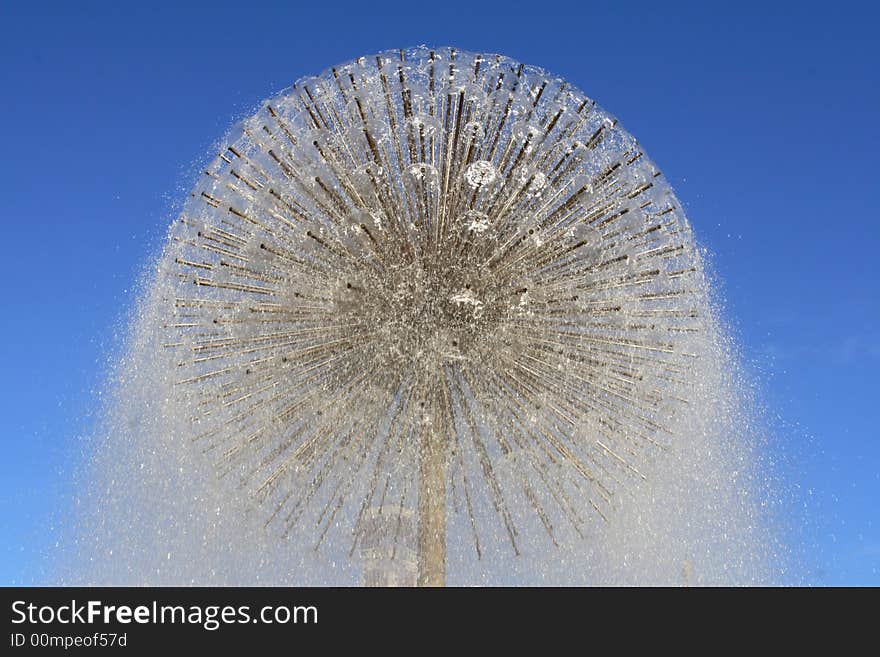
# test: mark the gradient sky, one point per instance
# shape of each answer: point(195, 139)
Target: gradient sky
point(763, 116)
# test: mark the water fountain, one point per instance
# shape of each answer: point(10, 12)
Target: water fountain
point(430, 316)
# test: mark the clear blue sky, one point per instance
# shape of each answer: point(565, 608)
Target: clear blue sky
point(764, 117)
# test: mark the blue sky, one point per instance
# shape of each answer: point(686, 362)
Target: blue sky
point(763, 116)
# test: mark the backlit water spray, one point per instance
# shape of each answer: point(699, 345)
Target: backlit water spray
point(430, 317)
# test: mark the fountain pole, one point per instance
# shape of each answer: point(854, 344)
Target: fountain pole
point(432, 501)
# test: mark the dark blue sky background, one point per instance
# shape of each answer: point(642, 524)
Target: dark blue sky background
point(764, 117)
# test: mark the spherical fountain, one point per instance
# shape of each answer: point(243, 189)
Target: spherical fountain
point(436, 308)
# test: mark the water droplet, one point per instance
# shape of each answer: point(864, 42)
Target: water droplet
point(480, 173)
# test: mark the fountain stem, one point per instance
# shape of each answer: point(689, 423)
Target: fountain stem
point(432, 507)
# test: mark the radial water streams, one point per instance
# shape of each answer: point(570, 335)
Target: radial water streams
point(430, 316)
